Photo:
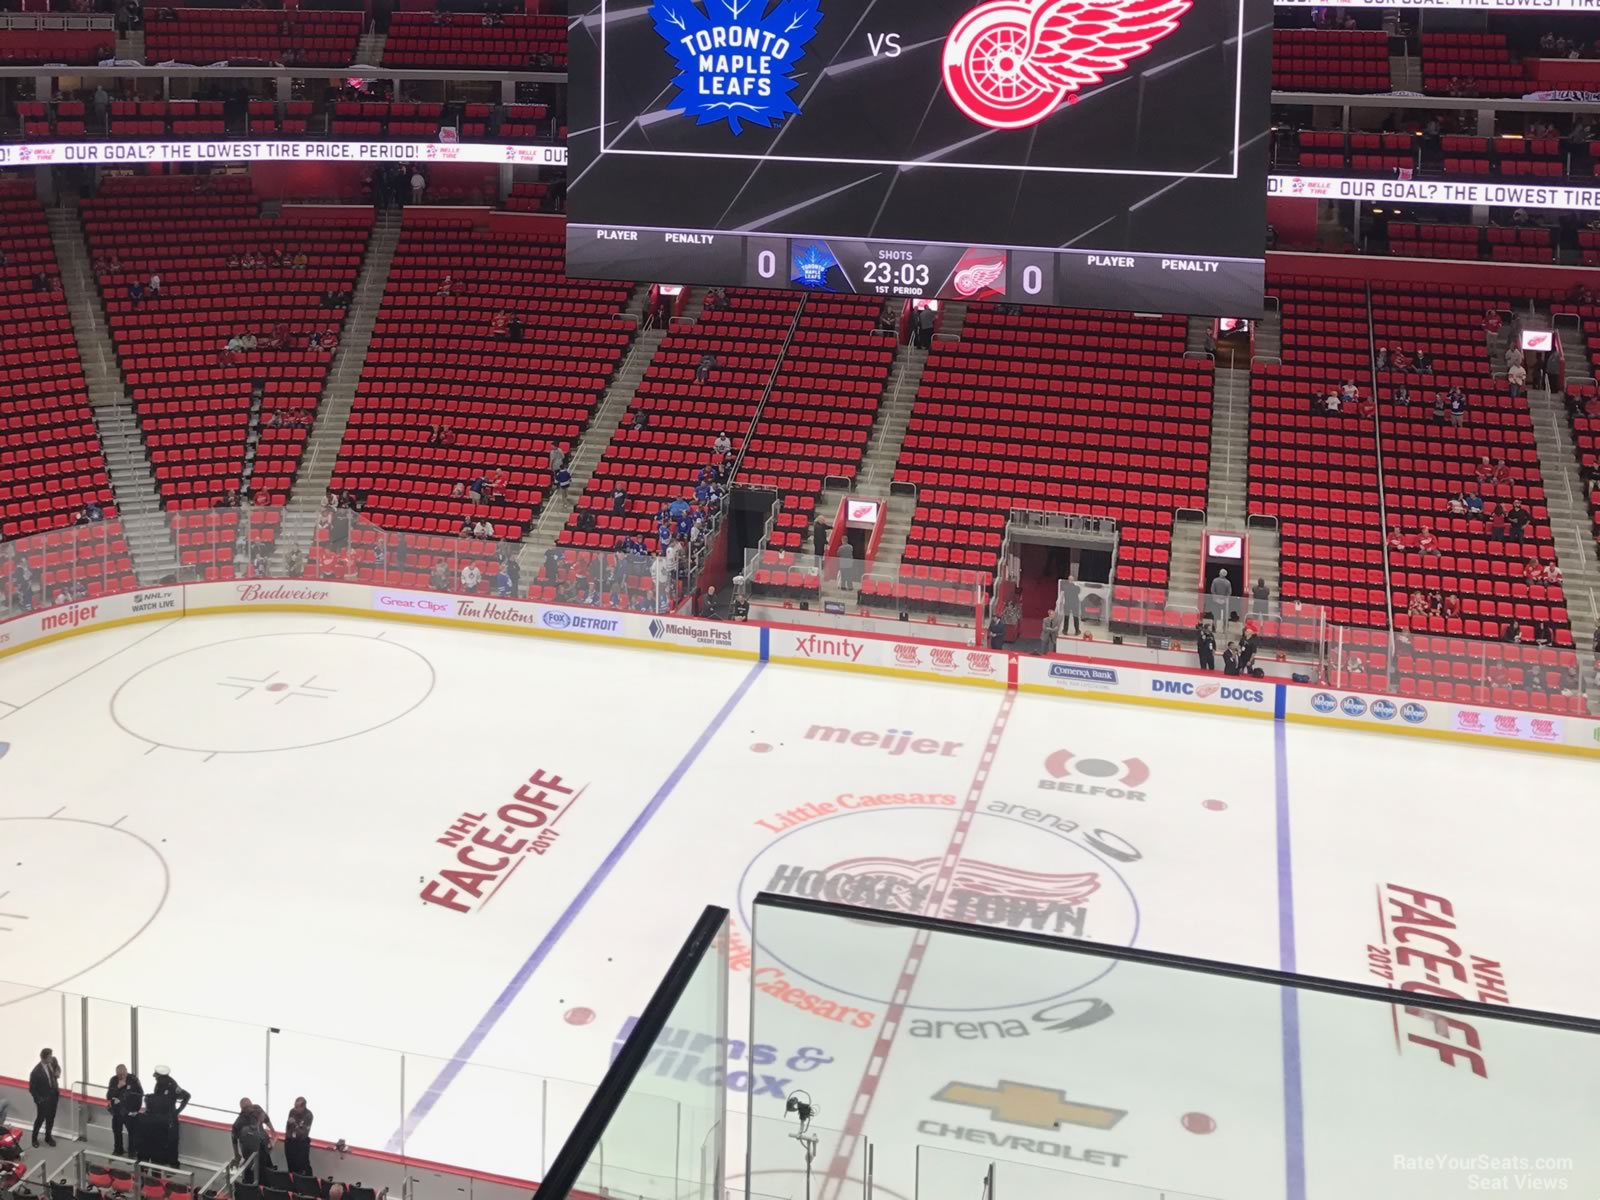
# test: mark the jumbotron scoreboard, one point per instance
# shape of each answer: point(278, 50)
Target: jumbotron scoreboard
point(1106, 154)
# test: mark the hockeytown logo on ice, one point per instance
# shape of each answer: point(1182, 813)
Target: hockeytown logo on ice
point(982, 893)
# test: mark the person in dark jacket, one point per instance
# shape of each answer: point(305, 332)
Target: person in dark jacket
point(819, 539)
point(1205, 645)
point(297, 1138)
point(163, 1103)
point(1071, 607)
point(1230, 659)
point(124, 1097)
point(997, 632)
point(44, 1085)
point(1247, 651)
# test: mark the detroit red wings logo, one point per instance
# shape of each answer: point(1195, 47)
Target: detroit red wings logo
point(1009, 64)
point(969, 281)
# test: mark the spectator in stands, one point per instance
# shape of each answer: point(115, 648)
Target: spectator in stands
point(1328, 404)
point(1382, 361)
point(1518, 518)
point(555, 457)
point(1348, 392)
point(1449, 604)
point(819, 539)
point(638, 420)
point(1423, 362)
point(1492, 322)
point(1400, 360)
point(997, 631)
point(847, 566)
point(1543, 633)
point(1499, 526)
point(1473, 502)
point(1402, 396)
point(1441, 405)
point(1260, 598)
point(439, 575)
point(1458, 407)
point(1417, 605)
point(1205, 645)
point(500, 585)
point(446, 287)
point(1221, 593)
point(1517, 377)
point(514, 329)
point(619, 499)
point(483, 529)
point(723, 445)
point(499, 324)
point(706, 365)
point(419, 185)
point(471, 577)
point(1397, 538)
point(715, 299)
point(563, 479)
point(1426, 542)
point(1366, 408)
point(1049, 631)
point(153, 288)
point(1071, 607)
point(295, 564)
point(252, 1139)
point(102, 105)
point(136, 291)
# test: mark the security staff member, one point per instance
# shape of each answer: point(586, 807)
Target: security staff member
point(162, 1106)
point(124, 1097)
point(1206, 646)
point(44, 1086)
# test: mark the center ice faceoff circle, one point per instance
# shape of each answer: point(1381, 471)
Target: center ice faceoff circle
point(277, 691)
point(1047, 876)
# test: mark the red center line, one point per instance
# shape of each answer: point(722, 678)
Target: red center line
point(867, 1089)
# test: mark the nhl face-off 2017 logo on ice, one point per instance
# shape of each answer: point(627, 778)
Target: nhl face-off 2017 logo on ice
point(734, 63)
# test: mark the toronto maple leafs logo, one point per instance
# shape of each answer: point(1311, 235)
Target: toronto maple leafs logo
point(1009, 64)
point(734, 63)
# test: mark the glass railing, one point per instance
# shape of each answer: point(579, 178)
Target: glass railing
point(373, 1097)
point(950, 604)
point(1006, 1055)
point(653, 1132)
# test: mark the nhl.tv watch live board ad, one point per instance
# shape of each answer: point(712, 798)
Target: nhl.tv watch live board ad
point(1101, 154)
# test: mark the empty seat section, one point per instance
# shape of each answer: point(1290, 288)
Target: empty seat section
point(226, 272)
point(444, 398)
point(51, 461)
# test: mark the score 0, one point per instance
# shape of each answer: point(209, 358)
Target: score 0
point(766, 262)
point(1033, 277)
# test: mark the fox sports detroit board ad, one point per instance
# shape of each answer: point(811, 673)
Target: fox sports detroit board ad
point(1098, 154)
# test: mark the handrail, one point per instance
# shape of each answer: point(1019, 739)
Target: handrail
point(1383, 494)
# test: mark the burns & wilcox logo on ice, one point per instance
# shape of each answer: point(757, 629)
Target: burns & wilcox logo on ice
point(735, 59)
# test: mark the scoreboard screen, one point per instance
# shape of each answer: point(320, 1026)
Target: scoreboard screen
point(1096, 153)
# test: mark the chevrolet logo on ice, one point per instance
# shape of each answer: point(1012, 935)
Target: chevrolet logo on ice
point(1025, 1104)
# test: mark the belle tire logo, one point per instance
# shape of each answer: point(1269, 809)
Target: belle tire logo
point(1009, 65)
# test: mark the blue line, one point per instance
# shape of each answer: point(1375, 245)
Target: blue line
point(1280, 701)
point(1294, 1131)
point(766, 643)
point(508, 995)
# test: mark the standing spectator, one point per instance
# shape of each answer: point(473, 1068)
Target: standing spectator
point(471, 577)
point(124, 1097)
point(557, 458)
point(1205, 646)
point(419, 185)
point(1049, 631)
point(159, 1132)
point(248, 1137)
point(1518, 518)
point(563, 480)
point(1517, 377)
point(1458, 407)
point(297, 1138)
point(1221, 592)
point(819, 539)
point(1260, 596)
point(44, 1086)
point(102, 106)
point(847, 563)
point(619, 500)
point(1071, 607)
point(997, 632)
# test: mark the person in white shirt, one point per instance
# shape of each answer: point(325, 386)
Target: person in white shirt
point(418, 186)
point(1331, 402)
point(155, 285)
point(722, 445)
point(1517, 377)
point(471, 577)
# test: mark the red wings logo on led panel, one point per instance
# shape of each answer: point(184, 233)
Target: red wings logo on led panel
point(1009, 64)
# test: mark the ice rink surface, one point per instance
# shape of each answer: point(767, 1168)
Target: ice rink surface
point(447, 868)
